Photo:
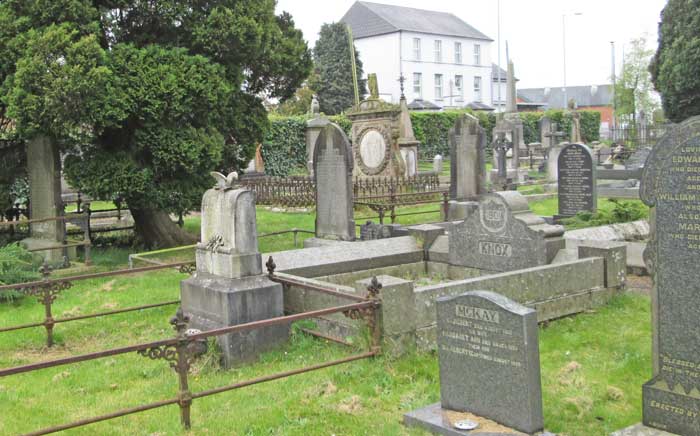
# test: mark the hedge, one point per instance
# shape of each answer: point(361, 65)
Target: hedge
point(284, 147)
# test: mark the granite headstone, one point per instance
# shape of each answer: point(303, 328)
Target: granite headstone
point(577, 180)
point(502, 234)
point(334, 197)
point(671, 185)
point(489, 361)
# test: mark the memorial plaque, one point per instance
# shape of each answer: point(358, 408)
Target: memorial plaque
point(333, 173)
point(671, 184)
point(373, 148)
point(577, 180)
point(489, 359)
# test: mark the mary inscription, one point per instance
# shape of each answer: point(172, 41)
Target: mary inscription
point(671, 184)
point(489, 359)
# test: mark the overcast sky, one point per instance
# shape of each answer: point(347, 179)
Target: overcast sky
point(532, 28)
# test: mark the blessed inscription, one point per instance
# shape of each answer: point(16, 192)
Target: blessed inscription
point(671, 183)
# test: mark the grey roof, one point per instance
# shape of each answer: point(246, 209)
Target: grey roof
point(553, 98)
point(479, 106)
point(370, 19)
point(423, 105)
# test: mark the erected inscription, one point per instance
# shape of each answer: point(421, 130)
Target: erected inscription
point(577, 181)
point(489, 359)
point(671, 184)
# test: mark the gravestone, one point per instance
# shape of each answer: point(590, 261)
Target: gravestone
point(575, 135)
point(510, 125)
point(638, 158)
point(467, 163)
point(334, 196)
point(44, 171)
point(546, 129)
point(671, 185)
point(577, 180)
point(228, 287)
point(502, 234)
point(313, 129)
point(489, 360)
point(383, 142)
point(371, 231)
point(438, 164)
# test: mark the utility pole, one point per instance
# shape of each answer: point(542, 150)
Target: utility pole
point(499, 56)
point(614, 84)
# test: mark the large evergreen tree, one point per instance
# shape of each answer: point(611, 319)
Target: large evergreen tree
point(147, 96)
point(333, 64)
point(675, 69)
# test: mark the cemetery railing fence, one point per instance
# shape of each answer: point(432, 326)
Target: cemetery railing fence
point(47, 290)
point(181, 351)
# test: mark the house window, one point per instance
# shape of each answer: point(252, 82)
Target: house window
point(477, 54)
point(477, 88)
point(438, 50)
point(418, 85)
point(458, 52)
point(459, 87)
point(416, 49)
point(438, 87)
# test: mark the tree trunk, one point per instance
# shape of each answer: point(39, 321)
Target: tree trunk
point(157, 230)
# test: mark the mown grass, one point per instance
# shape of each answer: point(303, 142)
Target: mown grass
point(593, 366)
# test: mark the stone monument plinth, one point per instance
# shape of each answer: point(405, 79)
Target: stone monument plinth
point(228, 287)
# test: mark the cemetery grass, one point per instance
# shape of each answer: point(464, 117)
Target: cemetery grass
point(609, 212)
point(593, 366)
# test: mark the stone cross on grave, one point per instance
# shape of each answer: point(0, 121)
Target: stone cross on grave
point(402, 79)
point(501, 146)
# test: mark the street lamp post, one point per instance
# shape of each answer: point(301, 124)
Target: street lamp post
point(563, 31)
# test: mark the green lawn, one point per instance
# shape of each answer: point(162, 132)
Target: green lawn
point(593, 366)
point(608, 212)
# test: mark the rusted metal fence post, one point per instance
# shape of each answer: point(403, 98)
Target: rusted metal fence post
point(445, 205)
point(373, 317)
point(182, 366)
point(45, 294)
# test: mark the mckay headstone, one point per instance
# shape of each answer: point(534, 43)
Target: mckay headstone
point(502, 234)
point(333, 165)
point(577, 191)
point(671, 186)
point(488, 354)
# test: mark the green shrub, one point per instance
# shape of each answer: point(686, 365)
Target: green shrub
point(15, 267)
point(621, 212)
point(284, 147)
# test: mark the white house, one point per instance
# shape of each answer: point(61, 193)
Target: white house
point(445, 61)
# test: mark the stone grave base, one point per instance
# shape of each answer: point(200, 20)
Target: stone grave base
point(640, 430)
point(671, 409)
point(50, 256)
point(440, 421)
point(228, 264)
point(517, 176)
point(214, 302)
point(321, 242)
point(459, 210)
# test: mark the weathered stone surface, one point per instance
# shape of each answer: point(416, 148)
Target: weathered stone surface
point(553, 162)
point(441, 421)
point(468, 165)
point(671, 400)
point(313, 129)
point(577, 180)
point(215, 302)
point(363, 255)
point(334, 197)
point(425, 234)
point(640, 430)
point(437, 163)
point(229, 242)
point(397, 313)
point(44, 171)
point(489, 359)
point(615, 255)
point(370, 231)
point(527, 287)
point(638, 158)
point(503, 235)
